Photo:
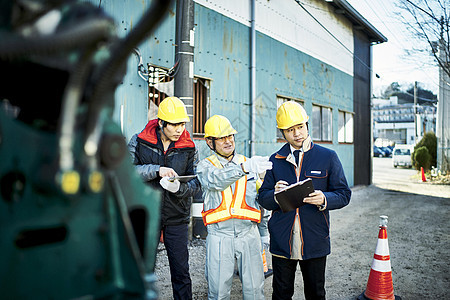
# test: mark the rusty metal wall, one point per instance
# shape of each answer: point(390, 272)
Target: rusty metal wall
point(222, 54)
point(131, 109)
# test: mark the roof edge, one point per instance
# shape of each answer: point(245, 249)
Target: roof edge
point(356, 18)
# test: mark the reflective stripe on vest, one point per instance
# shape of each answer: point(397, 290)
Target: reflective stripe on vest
point(232, 205)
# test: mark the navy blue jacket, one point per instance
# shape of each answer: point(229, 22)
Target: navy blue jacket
point(322, 165)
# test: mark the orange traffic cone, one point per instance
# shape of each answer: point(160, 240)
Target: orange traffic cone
point(266, 268)
point(267, 271)
point(379, 285)
point(424, 179)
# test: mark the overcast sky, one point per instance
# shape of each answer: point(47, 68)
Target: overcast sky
point(390, 60)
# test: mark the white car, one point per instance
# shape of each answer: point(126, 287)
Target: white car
point(401, 155)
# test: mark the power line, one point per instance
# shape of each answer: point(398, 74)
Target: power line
point(302, 5)
point(398, 41)
point(420, 98)
point(329, 32)
point(382, 21)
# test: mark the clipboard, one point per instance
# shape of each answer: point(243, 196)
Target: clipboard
point(292, 196)
point(184, 178)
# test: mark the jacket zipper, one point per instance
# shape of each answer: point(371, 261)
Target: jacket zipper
point(297, 215)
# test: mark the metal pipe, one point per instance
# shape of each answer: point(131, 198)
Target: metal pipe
point(252, 79)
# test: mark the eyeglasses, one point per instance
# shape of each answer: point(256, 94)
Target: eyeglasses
point(225, 138)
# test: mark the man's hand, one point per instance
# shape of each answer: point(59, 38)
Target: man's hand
point(171, 186)
point(167, 172)
point(257, 164)
point(280, 185)
point(315, 198)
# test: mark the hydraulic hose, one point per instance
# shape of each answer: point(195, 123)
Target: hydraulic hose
point(73, 94)
point(89, 32)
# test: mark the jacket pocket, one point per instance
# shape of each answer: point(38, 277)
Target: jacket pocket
point(316, 173)
point(319, 178)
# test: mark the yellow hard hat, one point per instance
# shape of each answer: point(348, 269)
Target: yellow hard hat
point(218, 126)
point(291, 113)
point(172, 110)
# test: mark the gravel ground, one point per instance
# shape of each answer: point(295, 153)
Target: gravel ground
point(418, 235)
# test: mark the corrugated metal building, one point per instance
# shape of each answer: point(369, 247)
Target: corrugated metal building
point(316, 52)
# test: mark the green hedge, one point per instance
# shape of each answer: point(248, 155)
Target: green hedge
point(428, 141)
point(422, 158)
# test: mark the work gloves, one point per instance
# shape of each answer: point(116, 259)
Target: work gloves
point(257, 164)
point(171, 186)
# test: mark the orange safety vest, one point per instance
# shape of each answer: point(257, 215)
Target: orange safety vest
point(233, 205)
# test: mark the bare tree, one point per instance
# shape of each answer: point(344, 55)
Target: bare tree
point(428, 20)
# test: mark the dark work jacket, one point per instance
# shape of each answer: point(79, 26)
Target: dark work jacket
point(148, 155)
point(322, 165)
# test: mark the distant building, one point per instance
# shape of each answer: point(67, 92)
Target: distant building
point(394, 123)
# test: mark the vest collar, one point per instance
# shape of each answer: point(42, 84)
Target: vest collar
point(223, 161)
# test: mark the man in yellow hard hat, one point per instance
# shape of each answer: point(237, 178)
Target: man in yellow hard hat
point(301, 236)
point(231, 213)
point(162, 150)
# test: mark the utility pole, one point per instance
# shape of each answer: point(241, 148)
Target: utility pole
point(184, 77)
point(184, 56)
point(415, 113)
point(443, 110)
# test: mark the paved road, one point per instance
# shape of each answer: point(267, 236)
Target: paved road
point(385, 173)
point(402, 179)
point(418, 233)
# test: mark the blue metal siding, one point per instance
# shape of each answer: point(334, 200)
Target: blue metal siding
point(158, 49)
point(222, 52)
point(346, 153)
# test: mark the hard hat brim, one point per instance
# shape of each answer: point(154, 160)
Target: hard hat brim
point(287, 127)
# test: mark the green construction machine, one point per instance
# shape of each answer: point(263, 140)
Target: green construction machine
point(76, 221)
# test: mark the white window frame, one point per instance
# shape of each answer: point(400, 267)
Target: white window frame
point(346, 123)
point(322, 123)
